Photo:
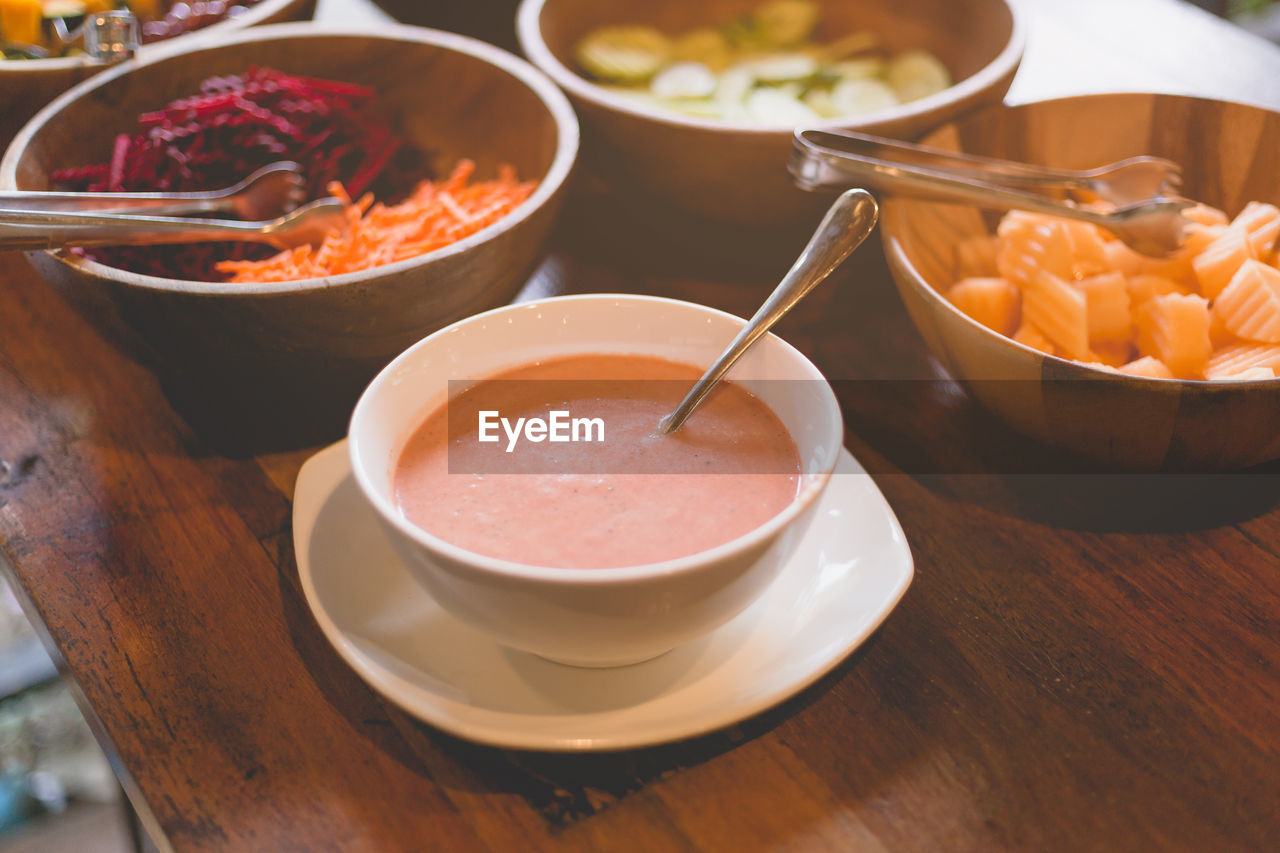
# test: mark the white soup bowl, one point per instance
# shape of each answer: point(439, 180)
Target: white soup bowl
point(606, 616)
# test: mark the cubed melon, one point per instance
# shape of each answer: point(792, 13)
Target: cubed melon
point(1143, 287)
point(1029, 335)
point(1107, 303)
point(1251, 373)
point(1219, 335)
point(1218, 262)
point(993, 302)
point(1088, 249)
point(1025, 252)
point(1241, 357)
point(976, 257)
point(1112, 353)
point(1147, 366)
point(1175, 329)
point(1250, 304)
point(1261, 221)
point(1204, 214)
point(1060, 311)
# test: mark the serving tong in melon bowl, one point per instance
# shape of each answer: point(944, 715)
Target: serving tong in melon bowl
point(1135, 199)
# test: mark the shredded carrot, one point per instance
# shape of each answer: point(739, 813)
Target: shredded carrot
point(433, 216)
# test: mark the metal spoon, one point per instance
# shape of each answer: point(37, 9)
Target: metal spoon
point(844, 227)
point(26, 229)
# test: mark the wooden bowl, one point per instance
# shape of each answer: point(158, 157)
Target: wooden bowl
point(311, 345)
point(28, 85)
point(1118, 420)
point(733, 172)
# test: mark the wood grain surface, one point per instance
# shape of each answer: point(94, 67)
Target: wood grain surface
point(1082, 662)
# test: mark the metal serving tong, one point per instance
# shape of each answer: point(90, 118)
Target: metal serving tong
point(1144, 212)
point(268, 199)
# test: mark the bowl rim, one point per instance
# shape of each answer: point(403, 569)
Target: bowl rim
point(899, 262)
point(529, 34)
point(254, 16)
point(510, 569)
point(552, 99)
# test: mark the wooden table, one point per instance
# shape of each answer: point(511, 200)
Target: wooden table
point(1082, 662)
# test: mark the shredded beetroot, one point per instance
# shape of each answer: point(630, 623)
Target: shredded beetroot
point(237, 124)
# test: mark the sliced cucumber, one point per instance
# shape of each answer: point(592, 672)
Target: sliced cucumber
point(916, 74)
point(858, 69)
point(639, 97)
point(783, 67)
point(819, 100)
point(684, 80)
point(699, 107)
point(773, 107)
point(785, 23)
point(733, 86)
point(858, 97)
point(742, 33)
point(706, 45)
point(846, 46)
point(623, 54)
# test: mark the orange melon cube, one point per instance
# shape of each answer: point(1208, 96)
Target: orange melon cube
point(1147, 366)
point(1199, 237)
point(1175, 329)
point(1107, 303)
point(1178, 267)
point(1250, 304)
point(1060, 311)
point(1088, 249)
point(1204, 214)
point(1029, 335)
point(1218, 262)
point(1261, 221)
point(976, 257)
point(1143, 287)
point(1017, 222)
point(1251, 373)
point(1112, 353)
point(993, 302)
point(1219, 335)
point(1123, 259)
point(1238, 358)
point(1046, 246)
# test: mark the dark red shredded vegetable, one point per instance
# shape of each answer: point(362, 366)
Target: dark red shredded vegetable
point(235, 125)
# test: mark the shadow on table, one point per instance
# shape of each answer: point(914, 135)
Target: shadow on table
point(567, 787)
point(562, 787)
point(932, 432)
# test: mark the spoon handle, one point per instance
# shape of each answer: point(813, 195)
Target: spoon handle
point(842, 229)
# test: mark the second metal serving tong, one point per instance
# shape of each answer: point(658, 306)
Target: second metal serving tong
point(268, 192)
point(1141, 214)
point(268, 199)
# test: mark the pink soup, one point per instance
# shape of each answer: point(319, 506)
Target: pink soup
point(632, 497)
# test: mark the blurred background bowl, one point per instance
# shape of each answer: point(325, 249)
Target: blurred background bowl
point(1225, 150)
point(734, 172)
point(301, 351)
point(27, 85)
